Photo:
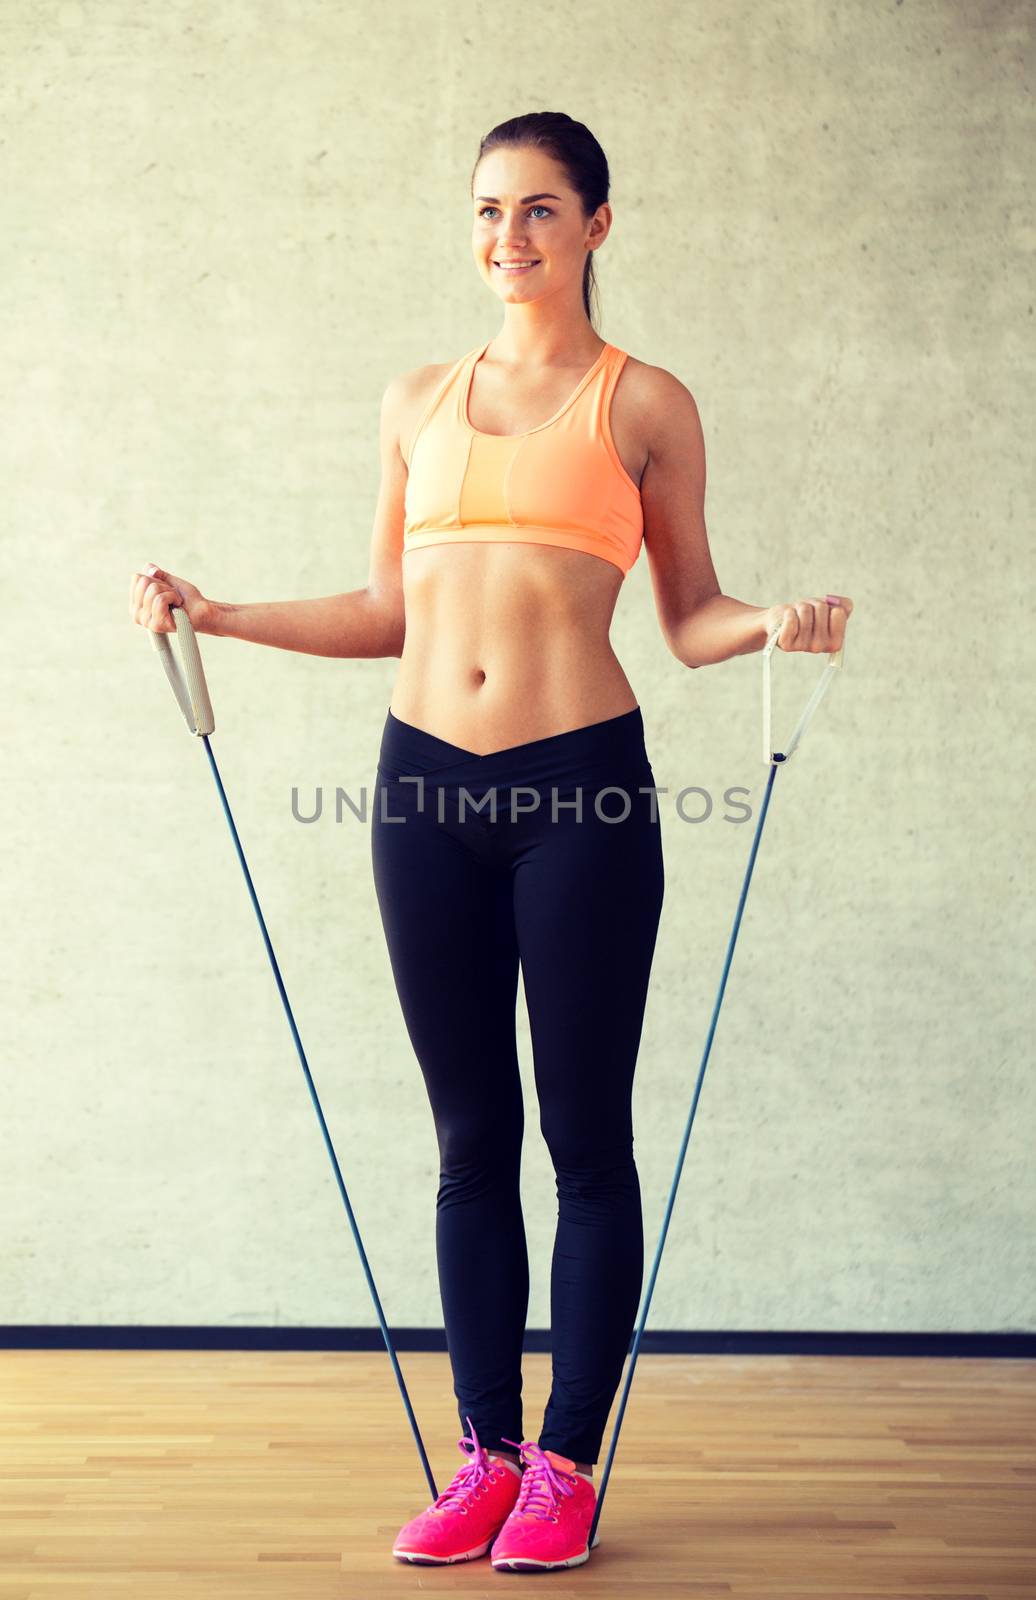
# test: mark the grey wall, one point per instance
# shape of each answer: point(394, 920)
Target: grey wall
point(226, 227)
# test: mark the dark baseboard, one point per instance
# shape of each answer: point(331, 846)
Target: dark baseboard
point(1013, 1344)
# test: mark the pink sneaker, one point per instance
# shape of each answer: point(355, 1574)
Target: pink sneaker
point(463, 1522)
point(551, 1517)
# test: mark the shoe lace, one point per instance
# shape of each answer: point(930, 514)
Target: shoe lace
point(470, 1478)
point(543, 1484)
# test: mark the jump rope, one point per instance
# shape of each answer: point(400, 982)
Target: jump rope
point(192, 696)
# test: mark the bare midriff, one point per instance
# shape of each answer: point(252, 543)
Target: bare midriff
point(508, 642)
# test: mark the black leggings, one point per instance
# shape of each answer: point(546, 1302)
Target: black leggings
point(575, 898)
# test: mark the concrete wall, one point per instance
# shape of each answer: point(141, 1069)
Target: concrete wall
point(212, 216)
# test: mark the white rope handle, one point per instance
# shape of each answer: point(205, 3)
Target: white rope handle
point(834, 661)
point(189, 686)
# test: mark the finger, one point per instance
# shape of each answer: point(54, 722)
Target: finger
point(147, 598)
point(806, 625)
point(161, 620)
point(139, 604)
point(150, 603)
point(142, 588)
point(167, 579)
point(821, 628)
point(838, 621)
point(789, 630)
point(138, 583)
point(841, 610)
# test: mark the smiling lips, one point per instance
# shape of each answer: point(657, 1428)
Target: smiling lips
point(516, 266)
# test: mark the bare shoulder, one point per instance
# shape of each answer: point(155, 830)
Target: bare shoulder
point(406, 396)
point(657, 402)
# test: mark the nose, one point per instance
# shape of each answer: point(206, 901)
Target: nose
point(507, 240)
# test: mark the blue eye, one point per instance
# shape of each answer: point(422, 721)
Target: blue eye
point(531, 208)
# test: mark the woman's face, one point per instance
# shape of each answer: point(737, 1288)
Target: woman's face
point(524, 209)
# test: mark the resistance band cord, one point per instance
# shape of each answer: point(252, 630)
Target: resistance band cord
point(192, 696)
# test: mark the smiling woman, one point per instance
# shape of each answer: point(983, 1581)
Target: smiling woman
point(579, 195)
point(520, 481)
point(536, 466)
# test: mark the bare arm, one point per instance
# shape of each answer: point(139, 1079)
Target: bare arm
point(699, 623)
point(365, 622)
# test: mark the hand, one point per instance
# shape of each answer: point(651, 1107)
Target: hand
point(816, 624)
point(154, 590)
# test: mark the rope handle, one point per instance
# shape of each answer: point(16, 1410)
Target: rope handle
point(770, 755)
point(192, 692)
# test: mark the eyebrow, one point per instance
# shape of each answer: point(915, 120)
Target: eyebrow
point(527, 199)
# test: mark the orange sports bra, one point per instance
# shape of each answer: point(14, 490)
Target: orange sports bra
point(562, 483)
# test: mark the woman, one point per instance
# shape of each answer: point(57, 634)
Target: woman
point(514, 822)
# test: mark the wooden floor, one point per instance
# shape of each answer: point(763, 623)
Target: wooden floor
point(216, 1475)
